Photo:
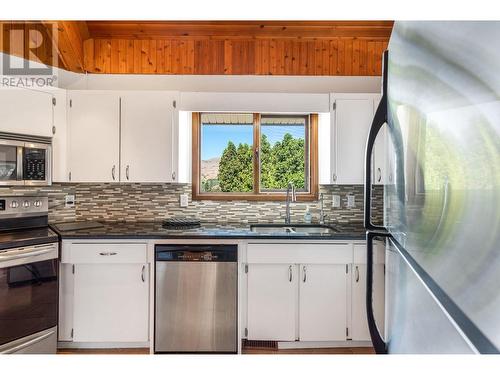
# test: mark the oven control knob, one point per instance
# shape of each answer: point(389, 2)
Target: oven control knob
point(37, 203)
point(26, 204)
point(14, 204)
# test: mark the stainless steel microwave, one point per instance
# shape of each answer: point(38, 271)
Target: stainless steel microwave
point(25, 160)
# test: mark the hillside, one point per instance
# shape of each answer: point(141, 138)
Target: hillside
point(210, 168)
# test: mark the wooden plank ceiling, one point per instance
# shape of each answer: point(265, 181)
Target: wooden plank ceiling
point(223, 47)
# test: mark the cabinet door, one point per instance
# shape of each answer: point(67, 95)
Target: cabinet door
point(352, 119)
point(94, 136)
point(272, 302)
point(359, 323)
point(359, 329)
point(147, 137)
point(111, 303)
point(27, 112)
point(323, 302)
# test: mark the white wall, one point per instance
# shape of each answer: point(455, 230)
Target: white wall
point(254, 102)
point(214, 83)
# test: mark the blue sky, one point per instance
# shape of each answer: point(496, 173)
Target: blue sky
point(215, 137)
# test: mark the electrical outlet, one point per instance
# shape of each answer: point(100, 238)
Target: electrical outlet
point(335, 201)
point(350, 201)
point(69, 201)
point(183, 200)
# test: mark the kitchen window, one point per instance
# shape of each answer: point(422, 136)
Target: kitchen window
point(253, 156)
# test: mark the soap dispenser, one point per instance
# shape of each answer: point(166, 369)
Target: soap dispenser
point(307, 216)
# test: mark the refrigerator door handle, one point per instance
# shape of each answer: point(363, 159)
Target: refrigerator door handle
point(378, 342)
point(379, 119)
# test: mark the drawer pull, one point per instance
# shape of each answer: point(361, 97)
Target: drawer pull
point(107, 253)
point(143, 276)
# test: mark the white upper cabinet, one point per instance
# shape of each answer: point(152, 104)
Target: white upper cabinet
point(148, 132)
point(130, 136)
point(94, 136)
point(60, 138)
point(27, 112)
point(351, 117)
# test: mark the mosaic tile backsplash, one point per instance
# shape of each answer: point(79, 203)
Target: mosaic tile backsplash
point(155, 202)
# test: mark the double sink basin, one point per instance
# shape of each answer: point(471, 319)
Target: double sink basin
point(313, 229)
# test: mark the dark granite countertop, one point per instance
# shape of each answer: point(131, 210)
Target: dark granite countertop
point(154, 230)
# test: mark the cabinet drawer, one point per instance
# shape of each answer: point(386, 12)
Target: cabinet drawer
point(108, 253)
point(339, 253)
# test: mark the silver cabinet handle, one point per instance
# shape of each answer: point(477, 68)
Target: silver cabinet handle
point(379, 175)
point(290, 273)
point(127, 171)
point(143, 276)
point(113, 172)
point(173, 175)
point(107, 253)
point(357, 273)
point(334, 177)
point(304, 272)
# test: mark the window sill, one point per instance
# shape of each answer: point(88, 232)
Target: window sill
point(278, 197)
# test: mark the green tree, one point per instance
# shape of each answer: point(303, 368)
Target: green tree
point(280, 163)
point(235, 168)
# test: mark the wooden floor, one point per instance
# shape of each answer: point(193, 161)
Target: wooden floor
point(104, 351)
point(366, 350)
point(245, 351)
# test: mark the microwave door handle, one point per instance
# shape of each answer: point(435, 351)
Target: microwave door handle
point(19, 163)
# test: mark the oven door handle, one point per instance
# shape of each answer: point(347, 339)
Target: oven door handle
point(26, 254)
point(27, 343)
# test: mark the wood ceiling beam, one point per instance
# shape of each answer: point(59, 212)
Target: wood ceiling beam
point(69, 36)
point(239, 29)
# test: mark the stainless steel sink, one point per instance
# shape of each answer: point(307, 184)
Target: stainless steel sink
point(291, 228)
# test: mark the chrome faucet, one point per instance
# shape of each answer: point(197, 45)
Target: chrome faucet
point(289, 198)
point(322, 215)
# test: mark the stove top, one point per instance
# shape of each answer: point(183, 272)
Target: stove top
point(27, 237)
point(24, 222)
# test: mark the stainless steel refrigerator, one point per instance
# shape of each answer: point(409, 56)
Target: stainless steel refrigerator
point(441, 107)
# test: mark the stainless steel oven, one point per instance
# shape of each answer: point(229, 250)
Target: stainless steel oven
point(29, 252)
point(25, 160)
point(28, 299)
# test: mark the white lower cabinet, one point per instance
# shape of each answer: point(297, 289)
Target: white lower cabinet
point(105, 296)
point(298, 291)
point(322, 302)
point(359, 324)
point(272, 301)
point(110, 303)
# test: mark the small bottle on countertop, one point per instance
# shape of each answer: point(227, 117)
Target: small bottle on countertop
point(307, 216)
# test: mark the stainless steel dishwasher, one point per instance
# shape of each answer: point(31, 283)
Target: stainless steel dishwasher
point(196, 298)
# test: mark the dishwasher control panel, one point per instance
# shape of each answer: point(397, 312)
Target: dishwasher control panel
point(196, 253)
